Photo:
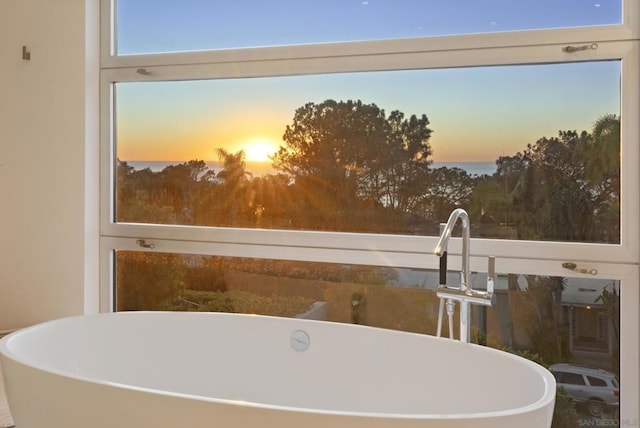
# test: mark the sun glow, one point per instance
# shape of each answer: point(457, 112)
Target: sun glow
point(259, 150)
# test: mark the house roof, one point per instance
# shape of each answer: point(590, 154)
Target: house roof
point(578, 291)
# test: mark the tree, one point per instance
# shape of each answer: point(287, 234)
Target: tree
point(231, 196)
point(610, 299)
point(147, 281)
point(543, 316)
point(327, 148)
point(448, 189)
point(567, 187)
point(603, 175)
point(181, 186)
point(234, 168)
point(271, 203)
point(553, 197)
point(343, 155)
point(603, 153)
point(404, 171)
point(139, 197)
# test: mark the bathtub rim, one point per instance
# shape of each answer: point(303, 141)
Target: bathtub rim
point(548, 398)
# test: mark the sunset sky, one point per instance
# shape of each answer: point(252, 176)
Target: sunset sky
point(477, 114)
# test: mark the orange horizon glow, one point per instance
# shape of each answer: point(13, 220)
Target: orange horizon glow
point(182, 121)
point(258, 149)
point(259, 144)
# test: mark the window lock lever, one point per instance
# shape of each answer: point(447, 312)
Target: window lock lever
point(144, 244)
point(571, 49)
point(574, 267)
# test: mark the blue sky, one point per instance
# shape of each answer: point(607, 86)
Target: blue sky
point(477, 114)
point(157, 26)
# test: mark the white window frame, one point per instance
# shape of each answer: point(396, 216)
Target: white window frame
point(521, 47)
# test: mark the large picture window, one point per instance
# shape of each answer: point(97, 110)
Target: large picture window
point(256, 159)
point(526, 150)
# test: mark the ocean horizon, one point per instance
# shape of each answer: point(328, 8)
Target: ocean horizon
point(263, 168)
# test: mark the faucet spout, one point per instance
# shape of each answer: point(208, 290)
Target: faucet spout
point(445, 234)
point(464, 293)
point(457, 214)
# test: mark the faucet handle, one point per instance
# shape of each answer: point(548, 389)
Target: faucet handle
point(443, 268)
point(491, 274)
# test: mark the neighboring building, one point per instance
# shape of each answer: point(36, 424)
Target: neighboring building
point(592, 338)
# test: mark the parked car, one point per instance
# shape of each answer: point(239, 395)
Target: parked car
point(598, 390)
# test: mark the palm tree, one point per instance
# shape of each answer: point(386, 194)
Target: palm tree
point(604, 152)
point(234, 167)
point(235, 178)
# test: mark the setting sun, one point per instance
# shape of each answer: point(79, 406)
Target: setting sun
point(259, 150)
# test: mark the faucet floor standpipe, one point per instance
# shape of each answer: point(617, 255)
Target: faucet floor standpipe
point(464, 293)
point(443, 282)
point(450, 311)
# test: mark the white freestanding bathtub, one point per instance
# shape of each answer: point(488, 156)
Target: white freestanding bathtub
point(164, 369)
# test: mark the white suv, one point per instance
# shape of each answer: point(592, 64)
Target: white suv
point(597, 389)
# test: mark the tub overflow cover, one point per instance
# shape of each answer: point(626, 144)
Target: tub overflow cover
point(300, 340)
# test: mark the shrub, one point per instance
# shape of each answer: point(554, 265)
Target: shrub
point(236, 301)
point(564, 413)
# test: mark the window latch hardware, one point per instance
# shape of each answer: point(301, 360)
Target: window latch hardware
point(571, 49)
point(144, 72)
point(144, 244)
point(574, 267)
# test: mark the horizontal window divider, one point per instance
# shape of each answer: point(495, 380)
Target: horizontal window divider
point(421, 246)
point(514, 39)
point(373, 257)
point(271, 67)
point(277, 237)
point(279, 252)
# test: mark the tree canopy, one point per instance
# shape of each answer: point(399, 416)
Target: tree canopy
point(350, 166)
point(348, 152)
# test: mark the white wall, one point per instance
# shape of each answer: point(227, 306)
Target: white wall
point(48, 160)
